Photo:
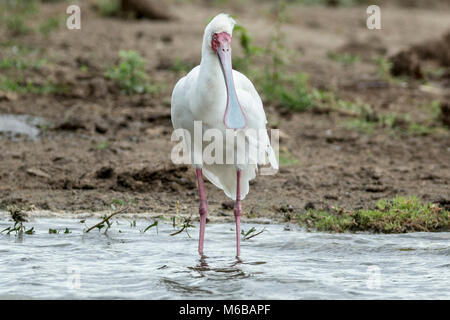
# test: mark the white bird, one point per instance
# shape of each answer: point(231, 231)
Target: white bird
point(226, 100)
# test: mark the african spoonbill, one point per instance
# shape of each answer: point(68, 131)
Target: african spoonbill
point(226, 100)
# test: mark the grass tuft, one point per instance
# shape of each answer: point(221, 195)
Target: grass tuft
point(398, 215)
point(50, 25)
point(21, 86)
point(108, 8)
point(19, 58)
point(130, 73)
point(346, 59)
point(181, 66)
point(15, 14)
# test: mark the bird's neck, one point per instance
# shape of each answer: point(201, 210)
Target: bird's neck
point(211, 85)
point(210, 69)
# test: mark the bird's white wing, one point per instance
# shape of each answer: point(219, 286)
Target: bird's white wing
point(256, 119)
point(181, 114)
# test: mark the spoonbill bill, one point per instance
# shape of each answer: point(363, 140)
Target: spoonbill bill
point(223, 99)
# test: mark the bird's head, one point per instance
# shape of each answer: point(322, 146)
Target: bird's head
point(219, 31)
point(218, 35)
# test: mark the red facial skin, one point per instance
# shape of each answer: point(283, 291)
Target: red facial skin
point(220, 38)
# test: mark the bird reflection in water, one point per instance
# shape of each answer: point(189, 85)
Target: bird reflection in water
point(232, 271)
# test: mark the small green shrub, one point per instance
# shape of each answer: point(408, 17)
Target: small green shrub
point(130, 74)
point(250, 50)
point(16, 26)
point(108, 8)
point(277, 84)
point(49, 25)
point(384, 68)
point(290, 91)
point(15, 14)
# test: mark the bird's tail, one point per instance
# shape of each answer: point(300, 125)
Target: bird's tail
point(224, 177)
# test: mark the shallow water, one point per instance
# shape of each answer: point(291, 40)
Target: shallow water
point(277, 264)
point(20, 127)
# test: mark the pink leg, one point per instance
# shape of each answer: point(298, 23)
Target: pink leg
point(238, 213)
point(202, 209)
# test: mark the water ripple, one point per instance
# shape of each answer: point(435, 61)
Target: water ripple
point(274, 265)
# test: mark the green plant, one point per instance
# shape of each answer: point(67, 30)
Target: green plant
point(247, 235)
point(19, 218)
point(344, 58)
point(365, 120)
point(15, 14)
point(117, 202)
point(435, 109)
point(19, 58)
point(185, 224)
point(250, 50)
point(16, 26)
point(181, 66)
point(132, 224)
point(106, 220)
point(360, 125)
point(130, 73)
point(154, 224)
point(329, 101)
point(108, 8)
point(182, 222)
point(384, 69)
point(290, 91)
point(401, 214)
point(101, 145)
point(420, 130)
point(278, 85)
point(434, 72)
point(286, 158)
point(22, 86)
point(50, 25)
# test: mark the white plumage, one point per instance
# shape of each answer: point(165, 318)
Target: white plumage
point(202, 96)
